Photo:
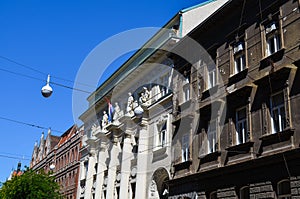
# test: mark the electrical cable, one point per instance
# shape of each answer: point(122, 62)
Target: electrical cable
point(29, 124)
point(14, 154)
point(40, 72)
point(51, 82)
point(13, 157)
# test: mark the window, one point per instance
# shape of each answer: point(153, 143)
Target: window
point(241, 126)
point(186, 93)
point(245, 193)
point(278, 118)
point(212, 137)
point(284, 189)
point(239, 58)
point(132, 191)
point(86, 164)
point(162, 134)
point(213, 195)
point(273, 43)
point(211, 78)
point(186, 88)
point(185, 147)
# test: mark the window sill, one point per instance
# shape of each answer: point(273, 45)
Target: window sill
point(277, 137)
point(269, 60)
point(159, 154)
point(186, 104)
point(240, 148)
point(209, 92)
point(210, 156)
point(182, 165)
point(237, 77)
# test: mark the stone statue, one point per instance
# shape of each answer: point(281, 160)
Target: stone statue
point(118, 112)
point(130, 104)
point(104, 119)
point(145, 96)
point(142, 99)
point(146, 93)
point(95, 129)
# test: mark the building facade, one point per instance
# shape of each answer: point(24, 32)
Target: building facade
point(126, 151)
point(60, 155)
point(237, 135)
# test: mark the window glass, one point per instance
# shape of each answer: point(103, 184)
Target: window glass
point(284, 190)
point(241, 126)
point(245, 193)
point(272, 39)
point(185, 147)
point(212, 137)
point(278, 119)
point(211, 79)
point(239, 58)
point(162, 135)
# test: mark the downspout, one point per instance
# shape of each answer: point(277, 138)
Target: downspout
point(180, 24)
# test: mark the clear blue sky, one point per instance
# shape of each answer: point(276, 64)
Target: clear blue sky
point(55, 37)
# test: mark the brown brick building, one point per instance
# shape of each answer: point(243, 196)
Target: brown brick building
point(60, 155)
point(237, 134)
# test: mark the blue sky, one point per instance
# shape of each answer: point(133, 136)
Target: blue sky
point(55, 37)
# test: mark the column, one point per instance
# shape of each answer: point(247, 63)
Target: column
point(125, 167)
point(81, 173)
point(89, 177)
point(100, 170)
point(112, 170)
point(142, 162)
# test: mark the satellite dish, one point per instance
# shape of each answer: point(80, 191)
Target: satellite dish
point(47, 90)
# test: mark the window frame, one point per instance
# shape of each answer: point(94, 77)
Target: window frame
point(239, 57)
point(244, 122)
point(284, 195)
point(281, 123)
point(273, 39)
point(185, 148)
point(211, 82)
point(213, 195)
point(212, 144)
point(242, 192)
point(162, 127)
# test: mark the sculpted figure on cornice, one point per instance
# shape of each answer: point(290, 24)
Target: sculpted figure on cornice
point(130, 105)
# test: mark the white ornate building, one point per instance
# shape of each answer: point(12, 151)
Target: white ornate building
point(128, 155)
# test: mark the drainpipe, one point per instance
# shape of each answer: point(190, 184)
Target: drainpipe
point(180, 25)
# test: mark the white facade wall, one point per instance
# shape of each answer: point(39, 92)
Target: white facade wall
point(111, 166)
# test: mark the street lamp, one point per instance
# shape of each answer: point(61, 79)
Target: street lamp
point(47, 90)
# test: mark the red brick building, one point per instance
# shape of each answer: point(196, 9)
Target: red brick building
point(60, 154)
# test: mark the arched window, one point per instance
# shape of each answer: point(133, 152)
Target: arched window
point(284, 189)
point(245, 193)
point(213, 195)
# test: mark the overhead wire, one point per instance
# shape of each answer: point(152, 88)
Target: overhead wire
point(13, 157)
point(14, 154)
point(40, 72)
point(39, 79)
point(29, 124)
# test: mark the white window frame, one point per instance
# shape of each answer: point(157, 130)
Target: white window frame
point(186, 92)
point(185, 148)
point(162, 135)
point(241, 127)
point(273, 43)
point(239, 57)
point(211, 78)
point(280, 109)
point(212, 141)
